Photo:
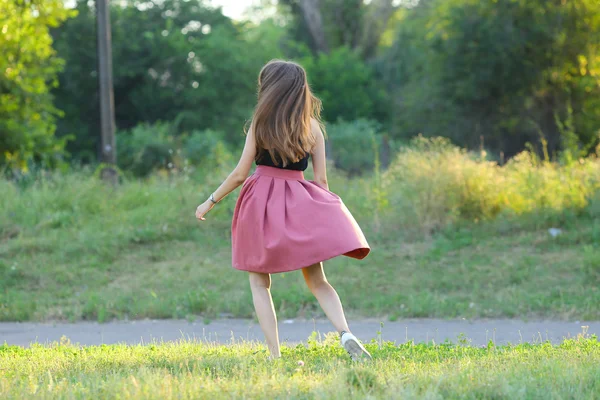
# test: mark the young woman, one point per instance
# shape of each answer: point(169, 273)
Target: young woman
point(281, 221)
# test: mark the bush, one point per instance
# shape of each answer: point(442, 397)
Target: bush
point(159, 147)
point(353, 145)
point(206, 147)
point(532, 185)
point(432, 184)
point(147, 148)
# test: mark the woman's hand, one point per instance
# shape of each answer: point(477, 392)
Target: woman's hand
point(203, 209)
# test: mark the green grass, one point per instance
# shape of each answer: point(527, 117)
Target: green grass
point(320, 370)
point(447, 242)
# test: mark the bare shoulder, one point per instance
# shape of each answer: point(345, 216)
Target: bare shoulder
point(316, 128)
point(319, 146)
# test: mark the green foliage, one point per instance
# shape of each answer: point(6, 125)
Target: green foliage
point(356, 24)
point(173, 60)
point(495, 74)
point(346, 85)
point(344, 22)
point(433, 184)
point(80, 258)
point(205, 147)
point(351, 145)
point(29, 69)
point(148, 148)
point(506, 70)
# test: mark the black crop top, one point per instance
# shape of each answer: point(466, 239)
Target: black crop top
point(265, 159)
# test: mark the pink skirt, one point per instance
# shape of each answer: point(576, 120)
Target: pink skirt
point(283, 223)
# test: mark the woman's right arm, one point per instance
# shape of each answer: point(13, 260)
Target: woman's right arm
point(319, 159)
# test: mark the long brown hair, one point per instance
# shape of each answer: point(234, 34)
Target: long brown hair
point(282, 118)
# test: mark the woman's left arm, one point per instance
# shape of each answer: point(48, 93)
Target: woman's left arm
point(235, 179)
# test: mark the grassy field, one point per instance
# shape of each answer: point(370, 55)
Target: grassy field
point(321, 370)
point(467, 274)
point(451, 237)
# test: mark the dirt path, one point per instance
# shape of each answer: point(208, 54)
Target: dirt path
point(479, 332)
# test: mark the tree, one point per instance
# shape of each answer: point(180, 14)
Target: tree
point(174, 60)
point(346, 85)
point(506, 70)
point(335, 41)
point(327, 24)
point(29, 69)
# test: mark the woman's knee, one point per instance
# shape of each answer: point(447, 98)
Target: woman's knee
point(314, 276)
point(258, 280)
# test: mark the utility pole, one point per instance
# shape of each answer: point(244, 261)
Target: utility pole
point(107, 105)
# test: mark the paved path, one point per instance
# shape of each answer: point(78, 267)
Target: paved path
point(479, 332)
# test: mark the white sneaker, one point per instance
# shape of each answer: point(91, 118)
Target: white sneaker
point(354, 347)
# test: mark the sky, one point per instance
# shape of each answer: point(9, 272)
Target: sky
point(233, 8)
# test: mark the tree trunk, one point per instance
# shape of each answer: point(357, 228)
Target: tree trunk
point(312, 16)
point(380, 12)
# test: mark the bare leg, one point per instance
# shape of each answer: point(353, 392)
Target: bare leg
point(260, 284)
point(326, 295)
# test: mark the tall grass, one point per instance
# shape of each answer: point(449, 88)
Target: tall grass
point(432, 184)
point(86, 250)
